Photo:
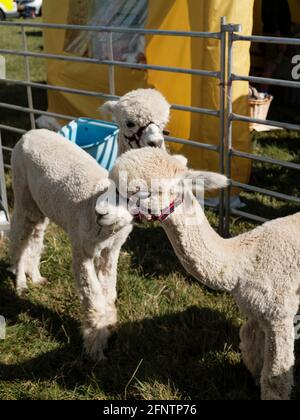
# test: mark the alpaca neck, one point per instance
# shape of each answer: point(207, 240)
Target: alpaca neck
point(203, 253)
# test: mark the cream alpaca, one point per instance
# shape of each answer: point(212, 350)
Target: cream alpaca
point(261, 269)
point(142, 115)
point(53, 178)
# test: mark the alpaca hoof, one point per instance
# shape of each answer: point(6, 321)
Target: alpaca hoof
point(95, 342)
point(40, 281)
point(22, 290)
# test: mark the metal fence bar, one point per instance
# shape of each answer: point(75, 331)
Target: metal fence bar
point(277, 124)
point(117, 29)
point(2, 181)
point(27, 77)
point(106, 96)
point(205, 73)
point(192, 143)
point(196, 110)
point(7, 149)
point(167, 138)
point(12, 129)
point(267, 39)
point(267, 81)
point(36, 111)
point(264, 159)
point(250, 216)
point(222, 119)
point(112, 87)
point(74, 91)
point(279, 196)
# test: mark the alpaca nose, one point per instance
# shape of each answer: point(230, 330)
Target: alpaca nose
point(157, 143)
point(153, 136)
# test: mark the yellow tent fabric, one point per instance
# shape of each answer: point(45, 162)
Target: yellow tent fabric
point(190, 15)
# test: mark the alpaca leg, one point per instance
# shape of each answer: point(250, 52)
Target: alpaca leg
point(34, 252)
point(252, 347)
point(96, 323)
point(19, 235)
point(26, 240)
point(26, 223)
point(21, 230)
point(277, 374)
point(107, 267)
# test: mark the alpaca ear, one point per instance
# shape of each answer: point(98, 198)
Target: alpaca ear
point(108, 107)
point(210, 180)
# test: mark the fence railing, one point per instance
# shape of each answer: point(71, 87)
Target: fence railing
point(231, 152)
point(227, 36)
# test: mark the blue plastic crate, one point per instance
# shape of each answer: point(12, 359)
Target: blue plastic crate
point(98, 138)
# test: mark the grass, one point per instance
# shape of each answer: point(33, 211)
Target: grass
point(176, 340)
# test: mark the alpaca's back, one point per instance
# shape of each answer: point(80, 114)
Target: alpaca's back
point(57, 173)
point(273, 266)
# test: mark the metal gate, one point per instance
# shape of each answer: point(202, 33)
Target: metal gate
point(227, 36)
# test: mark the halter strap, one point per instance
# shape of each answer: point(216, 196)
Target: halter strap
point(145, 215)
point(136, 137)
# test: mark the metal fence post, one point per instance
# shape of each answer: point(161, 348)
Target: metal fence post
point(223, 45)
point(3, 186)
point(27, 77)
point(112, 86)
point(229, 134)
point(229, 122)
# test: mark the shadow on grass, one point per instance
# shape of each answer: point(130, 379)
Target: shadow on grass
point(185, 349)
point(151, 250)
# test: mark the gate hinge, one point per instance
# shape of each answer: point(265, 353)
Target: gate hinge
point(232, 28)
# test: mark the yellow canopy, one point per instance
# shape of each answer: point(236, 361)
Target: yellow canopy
point(188, 15)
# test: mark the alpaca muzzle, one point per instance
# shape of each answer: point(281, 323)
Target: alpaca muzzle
point(149, 135)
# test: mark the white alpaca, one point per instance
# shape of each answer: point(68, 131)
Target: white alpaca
point(52, 178)
point(261, 268)
point(142, 116)
point(55, 179)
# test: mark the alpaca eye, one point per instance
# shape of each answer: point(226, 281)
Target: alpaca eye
point(130, 124)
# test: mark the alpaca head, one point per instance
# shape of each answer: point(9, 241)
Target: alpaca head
point(142, 116)
point(155, 178)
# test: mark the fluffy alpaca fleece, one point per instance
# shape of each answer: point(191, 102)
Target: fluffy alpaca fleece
point(261, 269)
point(55, 179)
point(142, 115)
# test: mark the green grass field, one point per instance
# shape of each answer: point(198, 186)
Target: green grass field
point(176, 339)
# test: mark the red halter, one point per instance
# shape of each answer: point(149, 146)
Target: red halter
point(146, 216)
